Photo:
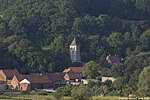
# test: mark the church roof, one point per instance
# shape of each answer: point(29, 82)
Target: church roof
point(74, 42)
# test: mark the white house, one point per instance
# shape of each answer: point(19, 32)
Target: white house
point(108, 78)
point(86, 81)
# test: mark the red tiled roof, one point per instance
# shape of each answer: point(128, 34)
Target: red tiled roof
point(10, 73)
point(114, 59)
point(55, 76)
point(74, 69)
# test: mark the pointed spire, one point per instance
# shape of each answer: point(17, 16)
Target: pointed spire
point(74, 43)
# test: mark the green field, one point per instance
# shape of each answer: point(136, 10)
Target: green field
point(105, 98)
point(46, 97)
point(22, 95)
point(26, 97)
point(49, 97)
point(41, 96)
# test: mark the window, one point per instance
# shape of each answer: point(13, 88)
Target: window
point(40, 86)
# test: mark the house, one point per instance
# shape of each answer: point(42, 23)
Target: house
point(86, 81)
point(30, 82)
point(73, 76)
point(73, 73)
point(108, 78)
point(25, 85)
point(56, 78)
point(7, 75)
point(113, 59)
point(15, 82)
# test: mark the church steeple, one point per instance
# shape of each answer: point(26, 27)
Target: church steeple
point(74, 43)
point(75, 51)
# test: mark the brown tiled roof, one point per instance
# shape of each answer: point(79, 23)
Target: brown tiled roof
point(74, 69)
point(114, 59)
point(55, 76)
point(35, 78)
point(38, 79)
point(10, 73)
point(19, 77)
point(73, 76)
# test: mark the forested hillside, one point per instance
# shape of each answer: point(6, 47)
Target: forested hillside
point(35, 34)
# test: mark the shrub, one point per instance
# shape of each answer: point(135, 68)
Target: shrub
point(1, 92)
point(3, 97)
point(90, 84)
point(42, 93)
point(9, 96)
point(57, 95)
point(5, 87)
point(24, 92)
point(63, 91)
point(97, 90)
point(81, 93)
point(33, 92)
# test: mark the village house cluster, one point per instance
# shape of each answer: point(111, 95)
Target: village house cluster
point(70, 75)
point(39, 81)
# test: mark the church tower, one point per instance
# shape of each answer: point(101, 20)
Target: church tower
point(75, 52)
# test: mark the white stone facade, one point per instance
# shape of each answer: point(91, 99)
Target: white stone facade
point(75, 52)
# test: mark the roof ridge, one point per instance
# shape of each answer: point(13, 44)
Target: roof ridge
point(74, 42)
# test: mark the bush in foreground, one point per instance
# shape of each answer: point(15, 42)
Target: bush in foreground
point(81, 93)
point(63, 91)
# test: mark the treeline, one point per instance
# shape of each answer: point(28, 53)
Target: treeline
point(35, 34)
point(127, 9)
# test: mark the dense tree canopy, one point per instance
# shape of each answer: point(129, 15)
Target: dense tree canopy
point(35, 34)
point(91, 70)
point(144, 82)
